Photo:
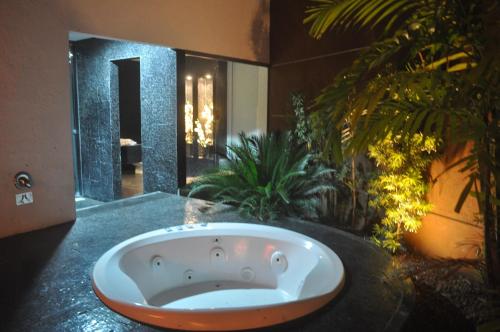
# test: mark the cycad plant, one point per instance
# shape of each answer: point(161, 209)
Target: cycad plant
point(435, 70)
point(266, 176)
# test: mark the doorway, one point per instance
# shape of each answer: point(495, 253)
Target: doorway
point(129, 104)
point(126, 107)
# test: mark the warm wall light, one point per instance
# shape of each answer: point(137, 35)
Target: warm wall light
point(188, 110)
point(208, 76)
point(204, 126)
point(188, 122)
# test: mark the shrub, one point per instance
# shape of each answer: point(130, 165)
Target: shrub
point(400, 188)
point(266, 176)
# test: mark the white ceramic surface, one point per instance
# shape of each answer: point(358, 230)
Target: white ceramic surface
point(218, 276)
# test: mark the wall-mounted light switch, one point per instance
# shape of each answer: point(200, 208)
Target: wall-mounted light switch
point(24, 198)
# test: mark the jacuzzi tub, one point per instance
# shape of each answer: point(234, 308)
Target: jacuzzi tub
point(218, 276)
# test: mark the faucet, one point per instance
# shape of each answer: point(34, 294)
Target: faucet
point(23, 180)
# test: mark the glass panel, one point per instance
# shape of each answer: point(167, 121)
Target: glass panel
point(205, 122)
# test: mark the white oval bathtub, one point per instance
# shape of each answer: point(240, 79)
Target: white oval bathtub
point(218, 276)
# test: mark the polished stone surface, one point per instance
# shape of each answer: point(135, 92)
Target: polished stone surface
point(84, 203)
point(45, 282)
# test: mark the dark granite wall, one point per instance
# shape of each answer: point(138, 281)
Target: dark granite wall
point(98, 98)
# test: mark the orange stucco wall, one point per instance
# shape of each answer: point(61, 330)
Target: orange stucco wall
point(232, 28)
point(444, 232)
point(35, 125)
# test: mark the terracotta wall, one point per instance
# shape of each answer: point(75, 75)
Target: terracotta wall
point(35, 124)
point(35, 127)
point(444, 232)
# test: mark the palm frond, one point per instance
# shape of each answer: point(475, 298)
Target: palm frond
point(330, 14)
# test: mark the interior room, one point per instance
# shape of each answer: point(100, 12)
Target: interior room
point(259, 165)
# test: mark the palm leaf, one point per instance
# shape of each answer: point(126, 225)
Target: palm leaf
point(329, 14)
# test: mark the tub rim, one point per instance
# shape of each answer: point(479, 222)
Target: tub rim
point(111, 253)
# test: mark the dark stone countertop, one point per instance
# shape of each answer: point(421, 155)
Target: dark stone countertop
point(45, 282)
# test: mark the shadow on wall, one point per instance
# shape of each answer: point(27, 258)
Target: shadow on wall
point(260, 29)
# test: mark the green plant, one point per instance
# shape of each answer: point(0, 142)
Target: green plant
point(348, 204)
point(434, 70)
point(302, 132)
point(266, 177)
point(400, 187)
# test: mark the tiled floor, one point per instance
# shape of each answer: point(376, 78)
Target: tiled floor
point(45, 282)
